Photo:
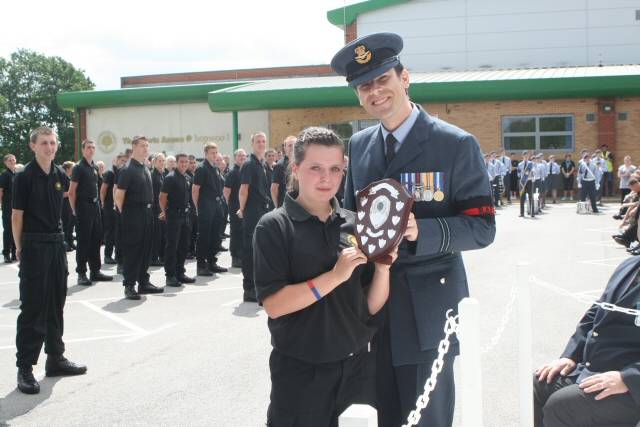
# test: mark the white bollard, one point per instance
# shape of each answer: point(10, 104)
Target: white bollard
point(525, 359)
point(359, 416)
point(470, 362)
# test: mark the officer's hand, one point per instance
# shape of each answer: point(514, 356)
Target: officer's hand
point(411, 233)
point(162, 216)
point(548, 371)
point(607, 383)
point(239, 213)
point(348, 260)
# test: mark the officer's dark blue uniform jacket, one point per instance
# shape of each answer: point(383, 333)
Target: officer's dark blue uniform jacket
point(429, 276)
point(610, 341)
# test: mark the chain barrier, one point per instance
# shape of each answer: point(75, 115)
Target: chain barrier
point(451, 327)
point(604, 305)
point(503, 322)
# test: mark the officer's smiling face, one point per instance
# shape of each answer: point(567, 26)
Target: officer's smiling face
point(45, 147)
point(385, 97)
point(320, 173)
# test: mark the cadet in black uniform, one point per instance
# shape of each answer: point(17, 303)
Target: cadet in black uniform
point(134, 197)
point(281, 172)
point(319, 293)
point(159, 226)
point(6, 184)
point(84, 201)
point(37, 230)
point(255, 200)
point(68, 219)
point(174, 204)
point(207, 196)
point(231, 188)
point(109, 213)
point(193, 216)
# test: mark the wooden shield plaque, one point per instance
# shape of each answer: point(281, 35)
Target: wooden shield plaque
point(382, 213)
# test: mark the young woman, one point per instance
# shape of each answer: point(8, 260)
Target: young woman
point(319, 293)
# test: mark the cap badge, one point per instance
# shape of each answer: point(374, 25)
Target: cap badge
point(362, 54)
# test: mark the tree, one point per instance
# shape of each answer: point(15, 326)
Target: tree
point(29, 83)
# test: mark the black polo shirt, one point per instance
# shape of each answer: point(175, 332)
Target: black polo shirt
point(211, 183)
point(178, 190)
point(291, 246)
point(86, 175)
point(6, 183)
point(254, 173)
point(232, 181)
point(190, 178)
point(39, 195)
point(135, 178)
point(280, 177)
point(109, 178)
point(157, 179)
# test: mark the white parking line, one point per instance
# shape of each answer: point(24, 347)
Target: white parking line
point(603, 243)
point(111, 316)
point(74, 340)
point(233, 302)
point(605, 262)
point(195, 291)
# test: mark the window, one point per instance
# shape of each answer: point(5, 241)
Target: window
point(345, 129)
point(553, 132)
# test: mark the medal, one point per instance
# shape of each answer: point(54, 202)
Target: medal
point(438, 196)
point(417, 187)
point(428, 192)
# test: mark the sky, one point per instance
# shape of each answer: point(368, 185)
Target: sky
point(118, 38)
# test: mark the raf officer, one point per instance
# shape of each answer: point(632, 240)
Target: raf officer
point(134, 198)
point(157, 177)
point(254, 201)
point(6, 184)
point(231, 188)
point(455, 215)
point(84, 201)
point(174, 205)
point(207, 196)
point(37, 231)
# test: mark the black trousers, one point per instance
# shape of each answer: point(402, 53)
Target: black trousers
point(623, 194)
point(137, 226)
point(193, 220)
point(235, 244)
point(589, 190)
point(109, 226)
point(210, 229)
point(43, 292)
point(8, 245)
point(177, 246)
point(68, 221)
point(523, 195)
point(563, 404)
point(507, 185)
point(89, 233)
point(251, 218)
point(158, 243)
point(314, 395)
point(118, 237)
point(398, 387)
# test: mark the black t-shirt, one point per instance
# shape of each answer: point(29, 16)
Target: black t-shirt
point(109, 178)
point(178, 190)
point(6, 183)
point(190, 178)
point(280, 177)
point(567, 166)
point(254, 173)
point(156, 181)
point(86, 175)
point(39, 195)
point(135, 179)
point(291, 246)
point(211, 183)
point(232, 181)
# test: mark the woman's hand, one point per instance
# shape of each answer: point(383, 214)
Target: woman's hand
point(349, 259)
point(387, 265)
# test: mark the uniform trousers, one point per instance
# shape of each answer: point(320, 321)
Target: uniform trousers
point(251, 217)
point(528, 189)
point(507, 185)
point(177, 246)
point(89, 234)
point(68, 221)
point(43, 292)
point(118, 237)
point(235, 244)
point(8, 245)
point(193, 220)
point(210, 229)
point(158, 242)
point(563, 404)
point(137, 226)
point(398, 387)
point(314, 395)
point(109, 225)
point(589, 190)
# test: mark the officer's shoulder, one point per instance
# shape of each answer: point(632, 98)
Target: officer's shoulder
point(364, 135)
point(450, 133)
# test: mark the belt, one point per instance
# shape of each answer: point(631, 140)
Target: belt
point(88, 200)
point(138, 205)
point(179, 210)
point(43, 237)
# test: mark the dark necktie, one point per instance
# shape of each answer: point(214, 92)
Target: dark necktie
point(390, 141)
point(586, 168)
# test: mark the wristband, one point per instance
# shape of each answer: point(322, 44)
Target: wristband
point(315, 291)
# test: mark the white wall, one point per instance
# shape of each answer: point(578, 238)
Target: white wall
point(172, 128)
point(472, 34)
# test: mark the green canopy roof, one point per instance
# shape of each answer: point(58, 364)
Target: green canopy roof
point(346, 15)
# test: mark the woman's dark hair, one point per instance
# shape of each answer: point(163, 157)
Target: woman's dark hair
point(312, 136)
